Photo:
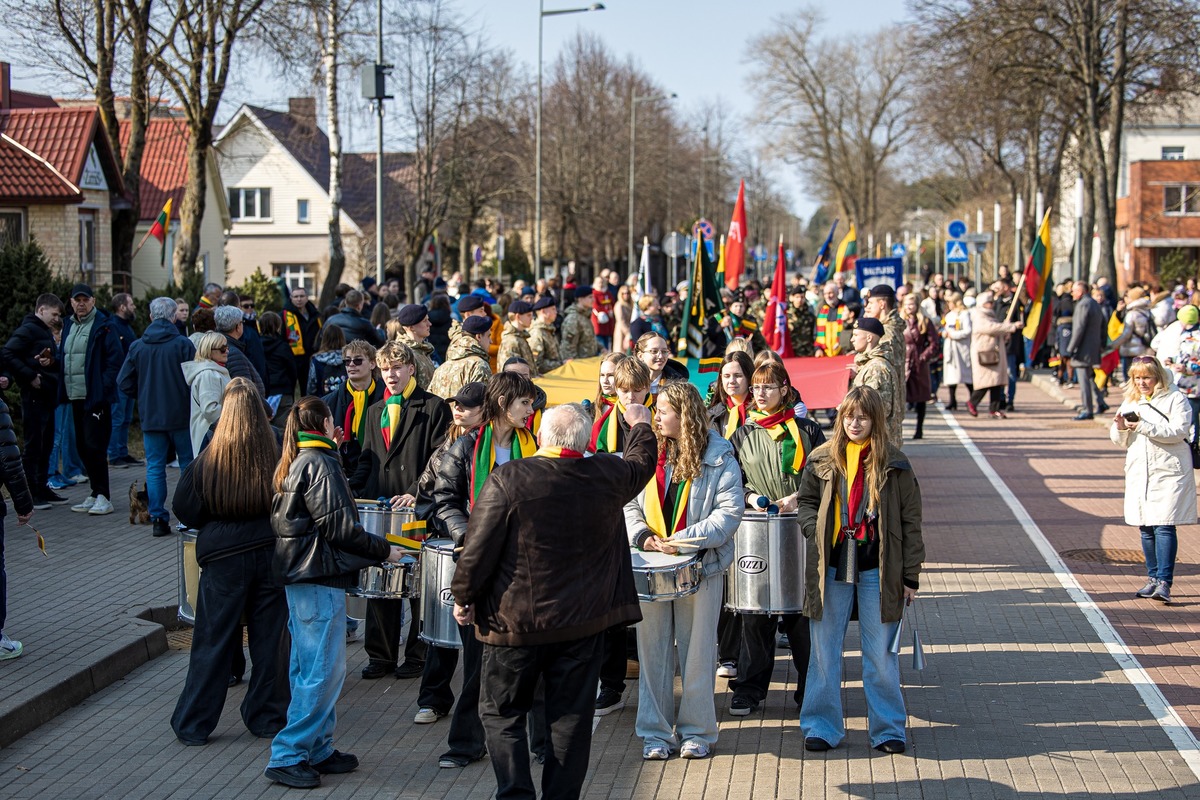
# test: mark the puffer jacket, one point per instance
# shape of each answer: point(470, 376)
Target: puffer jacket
point(10, 464)
point(219, 537)
point(1135, 339)
point(206, 382)
point(901, 548)
point(319, 537)
point(714, 508)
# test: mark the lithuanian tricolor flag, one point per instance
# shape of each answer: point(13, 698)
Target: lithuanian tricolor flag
point(847, 252)
point(1039, 286)
point(160, 228)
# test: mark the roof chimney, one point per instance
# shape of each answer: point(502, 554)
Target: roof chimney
point(5, 85)
point(303, 110)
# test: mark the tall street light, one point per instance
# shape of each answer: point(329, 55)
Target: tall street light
point(634, 100)
point(537, 192)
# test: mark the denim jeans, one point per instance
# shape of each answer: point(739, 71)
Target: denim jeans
point(1159, 545)
point(122, 415)
point(510, 678)
point(157, 444)
point(821, 714)
point(64, 459)
point(1014, 363)
point(317, 623)
point(3, 581)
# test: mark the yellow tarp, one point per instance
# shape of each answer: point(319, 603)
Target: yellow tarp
point(572, 382)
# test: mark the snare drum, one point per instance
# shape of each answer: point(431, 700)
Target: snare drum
point(189, 576)
point(382, 520)
point(438, 626)
point(390, 581)
point(659, 576)
point(767, 576)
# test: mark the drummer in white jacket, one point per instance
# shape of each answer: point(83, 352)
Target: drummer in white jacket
point(696, 495)
point(1154, 427)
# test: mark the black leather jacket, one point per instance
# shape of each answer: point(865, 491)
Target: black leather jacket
point(319, 537)
point(10, 465)
point(451, 488)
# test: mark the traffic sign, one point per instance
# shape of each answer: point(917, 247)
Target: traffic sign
point(956, 252)
point(790, 255)
point(760, 253)
point(703, 226)
point(957, 229)
point(899, 250)
point(674, 244)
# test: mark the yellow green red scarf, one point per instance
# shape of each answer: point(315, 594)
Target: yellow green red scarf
point(830, 322)
point(657, 501)
point(606, 430)
point(314, 439)
point(356, 412)
point(393, 405)
point(737, 414)
point(783, 429)
point(857, 483)
point(558, 452)
point(484, 461)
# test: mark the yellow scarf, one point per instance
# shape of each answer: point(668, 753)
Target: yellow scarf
point(737, 415)
point(359, 401)
point(782, 427)
point(853, 464)
point(656, 501)
point(393, 405)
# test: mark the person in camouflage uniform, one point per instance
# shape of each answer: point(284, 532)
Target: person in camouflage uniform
point(543, 338)
point(466, 358)
point(413, 331)
point(578, 336)
point(872, 368)
point(514, 343)
point(802, 323)
point(881, 305)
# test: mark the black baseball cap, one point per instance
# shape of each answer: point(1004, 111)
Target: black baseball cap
point(470, 395)
point(81, 289)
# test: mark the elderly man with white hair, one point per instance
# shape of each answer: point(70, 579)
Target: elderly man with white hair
point(151, 373)
point(545, 570)
point(230, 323)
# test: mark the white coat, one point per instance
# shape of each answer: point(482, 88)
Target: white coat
point(956, 348)
point(1159, 486)
point(206, 381)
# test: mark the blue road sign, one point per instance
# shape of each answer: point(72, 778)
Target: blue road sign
point(899, 250)
point(790, 255)
point(956, 252)
point(957, 229)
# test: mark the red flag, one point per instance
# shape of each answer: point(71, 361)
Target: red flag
point(774, 326)
point(735, 245)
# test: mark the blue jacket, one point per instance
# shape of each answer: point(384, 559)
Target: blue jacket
point(101, 363)
point(151, 373)
point(124, 332)
point(254, 348)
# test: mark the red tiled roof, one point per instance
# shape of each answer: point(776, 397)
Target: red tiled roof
point(25, 180)
point(164, 165)
point(59, 135)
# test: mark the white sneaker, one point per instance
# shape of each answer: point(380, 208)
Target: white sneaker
point(425, 716)
point(101, 506)
point(85, 506)
point(693, 749)
point(9, 648)
point(354, 628)
point(727, 669)
point(174, 464)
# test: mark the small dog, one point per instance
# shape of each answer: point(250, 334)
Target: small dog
point(139, 505)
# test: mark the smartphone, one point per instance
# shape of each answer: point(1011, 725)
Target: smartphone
point(46, 353)
point(1131, 416)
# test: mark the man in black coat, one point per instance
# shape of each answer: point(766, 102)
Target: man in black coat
point(230, 323)
point(250, 338)
point(402, 431)
point(29, 355)
point(353, 322)
point(302, 329)
point(123, 312)
point(12, 475)
point(1088, 332)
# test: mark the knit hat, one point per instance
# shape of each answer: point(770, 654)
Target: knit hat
point(1189, 315)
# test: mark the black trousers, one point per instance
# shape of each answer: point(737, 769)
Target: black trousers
point(38, 418)
point(228, 587)
point(618, 647)
point(466, 731)
point(995, 397)
point(92, 431)
point(729, 635)
point(510, 677)
point(756, 660)
point(436, 692)
point(382, 640)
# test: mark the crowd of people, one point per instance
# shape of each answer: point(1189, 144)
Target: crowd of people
point(278, 421)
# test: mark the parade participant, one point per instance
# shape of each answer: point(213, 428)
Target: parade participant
point(226, 494)
point(415, 324)
point(695, 495)
point(519, 366)
point(653, 351)
point(466, 359)
point(603, 319)
point(436, 697)
point(631, 383)
point(152, 374)
point(350, 402)
point(738, 326)
point(30, 354)
point(326, 368)
point(578, 336)
point(881, 305)
point(91, 357)
point(920, 347)
point(320, 548)
point(12, 475)
point(873, 369)
point(858, 492)
point(989, 363)
point(515, 341)
point(650, 320)
point(831, 319)
point(956, 348)
point(771, 449)
point(206, 378)
point(500, 439)
point(541, 601)
point(281, 377)
point(402, 431)
point(606, 392)
point(302, 322)
point(543, 337)
point(802, 323)
point(1153, 425)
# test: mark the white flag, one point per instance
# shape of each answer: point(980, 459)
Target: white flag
point(643, 282)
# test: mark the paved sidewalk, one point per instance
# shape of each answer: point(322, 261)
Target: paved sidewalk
point(1019, 698)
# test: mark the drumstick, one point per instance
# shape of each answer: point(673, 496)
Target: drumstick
point(678, 544)
point(689, 539)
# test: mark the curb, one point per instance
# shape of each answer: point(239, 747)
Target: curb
point(147, 639)
point(1050, 387)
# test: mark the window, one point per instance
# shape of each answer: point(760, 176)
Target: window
point(1181, 199)
point(1172, 153)
point(250, 204)
point(87, 241)
point(12, 227)
point(302, 211)
point(297, 275)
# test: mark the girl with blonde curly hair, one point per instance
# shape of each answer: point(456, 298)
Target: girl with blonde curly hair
point(695, 495)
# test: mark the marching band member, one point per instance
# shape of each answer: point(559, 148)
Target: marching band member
point(631, 382)
point(606, 394)
point(653, 351)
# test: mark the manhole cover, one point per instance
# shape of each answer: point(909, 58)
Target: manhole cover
point(180, 639)
point(1105, 556)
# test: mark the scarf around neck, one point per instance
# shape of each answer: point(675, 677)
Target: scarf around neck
point(737, 414)
point(484, 460)
point(558, 452)
point(783, 429)
point(393, 405)
point(356, 412)
point(855, 486)
point(606, 433)
point(314, 439)
point(663, 498)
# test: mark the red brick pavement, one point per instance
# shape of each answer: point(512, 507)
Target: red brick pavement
point(1070, 477)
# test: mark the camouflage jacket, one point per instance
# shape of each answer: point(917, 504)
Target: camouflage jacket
point(466, 362)
point(873, 369)
point(515, 343)
point(578, 336)
point(543, 341)
point(423, 352)
point(802, 327)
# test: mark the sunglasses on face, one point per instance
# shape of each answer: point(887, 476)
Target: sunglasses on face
point(1145, 360)
point(357, 361)
point(224, 349)
point(247, 304)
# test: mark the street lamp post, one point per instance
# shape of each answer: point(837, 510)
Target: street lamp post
point(537, 191)
point(634, 99)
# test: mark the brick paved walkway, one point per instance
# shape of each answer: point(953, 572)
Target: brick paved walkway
point(1020, 698)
